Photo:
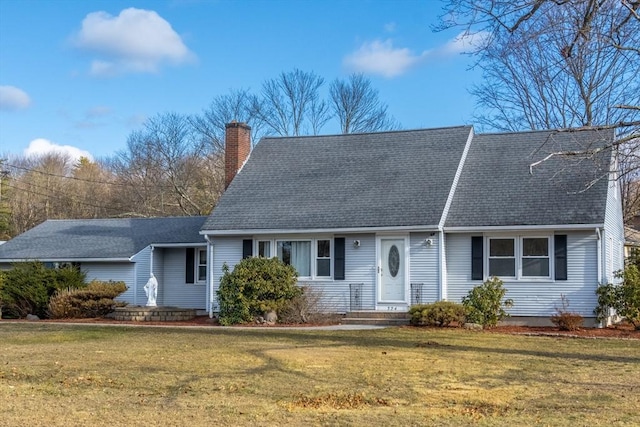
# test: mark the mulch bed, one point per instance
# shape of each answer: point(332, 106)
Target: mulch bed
point(622, 330)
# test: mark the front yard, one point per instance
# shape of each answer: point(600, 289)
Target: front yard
point(65, 375)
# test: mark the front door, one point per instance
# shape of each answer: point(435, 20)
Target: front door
point(392, 270)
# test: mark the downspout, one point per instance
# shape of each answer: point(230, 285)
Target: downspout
point(442, 260)
point(210, 274)
point(599, 256)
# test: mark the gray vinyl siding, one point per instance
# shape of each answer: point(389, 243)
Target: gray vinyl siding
point(226, 250)
point(177, 292)
point(534, 298)
point(116, 271)
point(360, 268)
point(424, 266)
point(143, 264)
point(613, 256)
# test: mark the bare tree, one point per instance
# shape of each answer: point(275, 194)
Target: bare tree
point(237, 105)
point(289, 105)
point(559, 64)
point(160, 172)
point(357, 106)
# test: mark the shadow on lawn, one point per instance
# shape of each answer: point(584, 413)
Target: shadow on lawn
point(365, 339)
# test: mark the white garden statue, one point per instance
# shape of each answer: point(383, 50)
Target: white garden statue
point(151, 289)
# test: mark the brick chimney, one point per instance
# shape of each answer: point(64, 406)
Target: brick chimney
point(237, 146)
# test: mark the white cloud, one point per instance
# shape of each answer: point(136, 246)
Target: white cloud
point(13, 98)
point(380, 57)
point(136, 40)
point(41, 146)
point(464, 42)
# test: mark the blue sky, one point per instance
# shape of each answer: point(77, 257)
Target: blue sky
point(85, 74)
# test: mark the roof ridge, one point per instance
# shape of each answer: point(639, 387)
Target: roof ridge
point(368, 133)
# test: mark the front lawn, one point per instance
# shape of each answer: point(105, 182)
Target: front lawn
point(64, 375)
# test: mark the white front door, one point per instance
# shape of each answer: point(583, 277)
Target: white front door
point(392, 270)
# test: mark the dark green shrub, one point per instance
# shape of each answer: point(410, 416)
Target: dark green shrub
point(441, 313)
point(565, 319)
point(255, 286)
point(623, 298)
point(94, 300)
point(484, 303)
point(27, 287)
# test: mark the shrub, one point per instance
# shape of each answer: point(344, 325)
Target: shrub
point(27, 287)
point(304, 308)
point(623, 298)
point(565, 319)
point(94, 300)
point(484, 303)
point(441, 313)
point(255, 286)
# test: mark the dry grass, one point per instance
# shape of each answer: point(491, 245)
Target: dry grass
point(63, 375)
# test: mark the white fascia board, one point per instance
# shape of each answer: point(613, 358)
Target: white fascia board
point(179, 245)
point(67, 260)
point(522, 227)
point(359, 230)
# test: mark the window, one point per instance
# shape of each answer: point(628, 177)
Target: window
point(264, 248)
point(296, 253)
point(202, 265)
point(535, 257)
point(502, 257)
point(323, 258)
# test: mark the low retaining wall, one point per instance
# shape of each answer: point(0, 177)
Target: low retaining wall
point(154, 314)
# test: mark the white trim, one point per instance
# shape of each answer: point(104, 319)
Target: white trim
point(599, 241)
point(456, 178)
point(179, 245)
point(557, 227)
point(380, 304)
point(9, 260)
point(355, 230)
point(442, 261)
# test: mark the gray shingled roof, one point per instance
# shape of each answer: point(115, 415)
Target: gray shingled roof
point(496, 187)
point(100, 238)
point(386, 179)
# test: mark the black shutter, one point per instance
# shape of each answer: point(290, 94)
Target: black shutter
point(247, 248)
point(338, 258)
point(189, 268)
point(560, 258)
point(477, 258)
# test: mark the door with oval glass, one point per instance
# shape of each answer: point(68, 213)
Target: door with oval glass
point(392, 270)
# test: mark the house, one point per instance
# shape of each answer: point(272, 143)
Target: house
point(631, 242)
point(380, 221)
point(125, 250)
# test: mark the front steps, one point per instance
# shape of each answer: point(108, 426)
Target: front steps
point(383, 318)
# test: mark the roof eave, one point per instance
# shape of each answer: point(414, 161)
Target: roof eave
point(262, 231)
point(522, 227)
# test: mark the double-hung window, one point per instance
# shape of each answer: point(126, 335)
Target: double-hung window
point(323, 258)
point(519, 257)
point(535, 257)
point(202, 265)
point(502, 257)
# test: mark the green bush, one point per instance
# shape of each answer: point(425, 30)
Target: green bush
point(255, 286)
point(94, 300)
point(27, 287)
point(441, 313)
point(623, 298)
point(484, 303)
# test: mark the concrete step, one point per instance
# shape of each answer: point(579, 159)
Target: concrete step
point(374, 321)
point(370, 314)
point(376, 318)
